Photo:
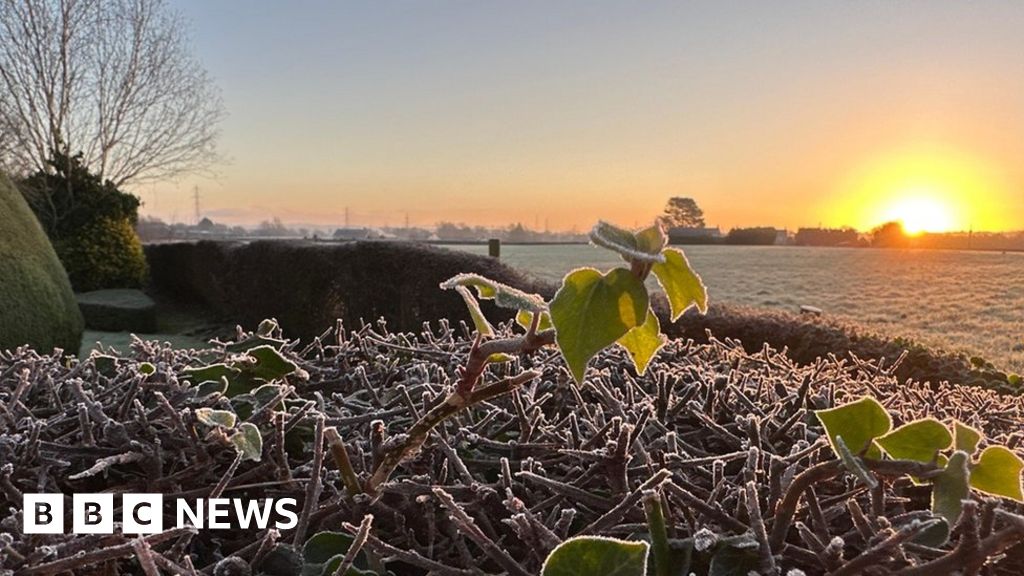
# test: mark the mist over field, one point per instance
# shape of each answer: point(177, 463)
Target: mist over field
point(970, 301)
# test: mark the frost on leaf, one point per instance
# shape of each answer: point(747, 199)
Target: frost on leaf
point(632, 247)
point(503, 295)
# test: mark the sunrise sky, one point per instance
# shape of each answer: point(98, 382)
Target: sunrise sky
point(768, 113)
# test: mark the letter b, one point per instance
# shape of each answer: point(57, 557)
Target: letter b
point(93, 514)
point(43, 514)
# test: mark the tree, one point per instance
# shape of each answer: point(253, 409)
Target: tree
point(91, 224)
point(890, 235)
point(682, 213)
point(112, 79)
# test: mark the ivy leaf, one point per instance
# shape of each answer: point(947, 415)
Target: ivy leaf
point(323, 546)
point(682, 285)
point(211, 373)
point(324, 551)
point(248, 442)
point(935, 535)
point(920, 440)
point(858, 423)
point(504, 296)
point(950, 487)
point(737, 556)
point(854, 465)
point(651, 240)
point(997, 472)
point(627, 244)
point(105, 365)
point(525, 317)
point(269, 364)
point(267, 327)
point(211, 387)
point(643, 342)
point(595, 555)
point(483, 327)
point(211, 417)
point(592, 311)
point(964, 437)
point(146, 368)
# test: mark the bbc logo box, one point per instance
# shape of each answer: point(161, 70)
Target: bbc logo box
point(144, 513)
point(93, 514)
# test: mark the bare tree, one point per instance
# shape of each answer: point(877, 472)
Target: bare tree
point(112, 79)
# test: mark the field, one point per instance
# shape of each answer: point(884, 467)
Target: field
point(971, 301)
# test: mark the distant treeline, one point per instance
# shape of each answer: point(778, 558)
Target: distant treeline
point(888, 235)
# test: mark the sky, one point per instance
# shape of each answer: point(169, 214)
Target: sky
point(559, 113)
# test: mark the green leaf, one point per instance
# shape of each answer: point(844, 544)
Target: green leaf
point(651, 240)
point(524, 318)
point(324, 551)
point(858, 423)
point(643, 342)
point(950, 487)
point(212, 417)
point(146, 368)
point(479, 320)
point(248, 441)
point(105, 365)
point(997, 472)
point(269, 364)
point(920, 440)
point(964, 437)
point(597, 556)
point(854, 465)
point(211, 387)
point(935, 535)
point(504, 296)
point(736, 556)
point(682, 285)
point(211, 373)
point(627, 244)
point(253, 342)
point(323, 546)
point(266, 328)
point(592, 311)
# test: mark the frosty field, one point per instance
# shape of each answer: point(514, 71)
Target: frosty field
point(971, 301)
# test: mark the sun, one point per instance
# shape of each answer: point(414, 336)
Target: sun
point(921, 212)
point(928, 188)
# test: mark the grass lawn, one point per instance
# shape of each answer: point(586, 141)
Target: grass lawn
point(181, 326)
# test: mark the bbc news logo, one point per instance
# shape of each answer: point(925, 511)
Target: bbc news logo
point(144, 513)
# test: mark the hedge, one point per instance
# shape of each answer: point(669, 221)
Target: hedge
point(307, 286)
point(37, 306)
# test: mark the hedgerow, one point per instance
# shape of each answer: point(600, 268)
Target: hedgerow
point(723, 440)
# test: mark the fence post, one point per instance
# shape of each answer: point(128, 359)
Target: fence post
point(494, 247)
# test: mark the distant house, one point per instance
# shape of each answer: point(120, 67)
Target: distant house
point(706, 235)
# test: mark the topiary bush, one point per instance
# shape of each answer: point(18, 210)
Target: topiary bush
point(36, 303)
point(91, 224)
point(104, 254)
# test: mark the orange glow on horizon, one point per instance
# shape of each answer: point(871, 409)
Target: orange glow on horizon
point(927, 190)
point(919, 213)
